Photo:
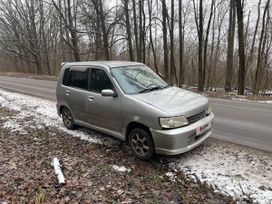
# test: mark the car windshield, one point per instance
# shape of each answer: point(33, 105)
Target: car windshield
point(137, 79)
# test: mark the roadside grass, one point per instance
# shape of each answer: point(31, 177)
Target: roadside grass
point(40, 195)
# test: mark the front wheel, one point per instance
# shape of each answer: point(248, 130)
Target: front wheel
point(141, 143)
point(67, 119)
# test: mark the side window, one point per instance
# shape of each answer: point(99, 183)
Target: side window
point(100, 80)
point(66, 77)
point(78, 79)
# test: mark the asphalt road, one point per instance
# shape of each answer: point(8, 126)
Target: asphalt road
point(244, 123)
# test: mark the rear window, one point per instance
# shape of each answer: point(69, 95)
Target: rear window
point(77, 79)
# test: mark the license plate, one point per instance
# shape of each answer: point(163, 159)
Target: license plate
point(203, 128)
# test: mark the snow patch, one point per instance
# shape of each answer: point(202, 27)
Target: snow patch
point(120, 168)
point(172, 176)
point(14, 126)
point(255, 101)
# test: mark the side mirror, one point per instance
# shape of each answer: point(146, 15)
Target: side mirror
point(108, 92)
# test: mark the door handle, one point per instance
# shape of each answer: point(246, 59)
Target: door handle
point(90, 98)
point(67, 92)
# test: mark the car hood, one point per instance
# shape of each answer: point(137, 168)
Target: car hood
point(175, 101)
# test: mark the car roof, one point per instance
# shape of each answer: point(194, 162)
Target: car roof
point(110, 64)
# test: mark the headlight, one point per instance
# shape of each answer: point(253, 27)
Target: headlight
point(209, 111)
point(173, 122)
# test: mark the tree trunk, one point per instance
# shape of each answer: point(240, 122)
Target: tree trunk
point(241, 39)
point(171, 30)
point(73, 33)
point(130, 49)
point(98, 42)
point(165, 45)
point(143, 32)
point(200, 48)
point(136, 30)
point(104, 31)
point(231, 34)
point(181, 45)
point(206, 45)
point(151, 37)
point(140, 31)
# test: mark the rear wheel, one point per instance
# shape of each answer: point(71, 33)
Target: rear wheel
point(67, 119)
point(141, 143)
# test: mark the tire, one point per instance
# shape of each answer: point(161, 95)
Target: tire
point(67, 119)
point(141, 144)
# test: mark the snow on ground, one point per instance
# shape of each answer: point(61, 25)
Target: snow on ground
point(172, 176)
point(14, 126)
point(232, 169)
point(255, 101)
point(43, 112)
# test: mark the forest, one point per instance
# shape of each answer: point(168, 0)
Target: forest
point(206, 44)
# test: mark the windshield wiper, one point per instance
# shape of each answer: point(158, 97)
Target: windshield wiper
point(151, 89)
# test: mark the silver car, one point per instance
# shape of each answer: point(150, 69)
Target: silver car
point(131, 102)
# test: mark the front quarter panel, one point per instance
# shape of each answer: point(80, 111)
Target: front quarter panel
point(134, 110)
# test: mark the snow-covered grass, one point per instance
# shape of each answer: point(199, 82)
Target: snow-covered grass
point(43, 112)
point(14, 126)
point(232, 169)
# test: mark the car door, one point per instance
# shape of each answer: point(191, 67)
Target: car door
point(102, 111)
point(76, 90)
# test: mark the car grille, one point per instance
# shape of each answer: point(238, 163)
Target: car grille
point(197, 117)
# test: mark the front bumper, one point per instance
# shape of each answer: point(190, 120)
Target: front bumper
point(180, 140)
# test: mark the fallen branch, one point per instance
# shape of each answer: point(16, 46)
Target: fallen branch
point(58, 171)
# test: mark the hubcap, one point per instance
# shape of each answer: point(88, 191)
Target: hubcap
point(67, 117)
point(139, 144)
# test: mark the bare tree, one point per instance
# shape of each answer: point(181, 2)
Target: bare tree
point(69, 22)
point(176, 38)
point(99, 9)
point(261, 50)
point(202, 44)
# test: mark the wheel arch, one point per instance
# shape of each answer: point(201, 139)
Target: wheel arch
point(132, 125)
point(65, 106)
point(61, 107)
